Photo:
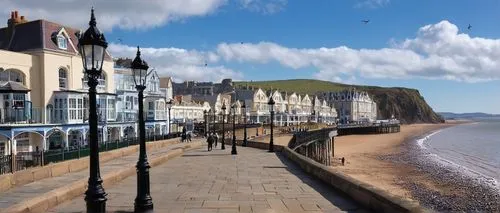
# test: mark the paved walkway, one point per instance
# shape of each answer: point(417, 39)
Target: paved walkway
point(37, 188)
point(201, 181)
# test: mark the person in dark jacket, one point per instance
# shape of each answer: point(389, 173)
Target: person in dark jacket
point(210, 141)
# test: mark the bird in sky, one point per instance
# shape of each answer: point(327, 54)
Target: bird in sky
point(365, 21)
point(469, 27)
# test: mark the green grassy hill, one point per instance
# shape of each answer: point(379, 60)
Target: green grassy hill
point(404, 103)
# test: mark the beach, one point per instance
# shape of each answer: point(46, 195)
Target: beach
point(394, 163)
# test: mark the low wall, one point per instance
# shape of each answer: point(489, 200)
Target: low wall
point(60, 195)
point(369, 196)
point(10, 180)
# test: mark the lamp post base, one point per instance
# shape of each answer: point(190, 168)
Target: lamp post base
point(96, 200)
point(143, 205)
point(143, 201)
point(233, 148)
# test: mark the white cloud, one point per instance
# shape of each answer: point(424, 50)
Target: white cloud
point(181, 64)
point(438, 51)
point(125, 14)
point(371, 3)
point(264, 6)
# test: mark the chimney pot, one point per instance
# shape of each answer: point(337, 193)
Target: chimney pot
point(22, 18)
point(12, 15)
point(16, 14)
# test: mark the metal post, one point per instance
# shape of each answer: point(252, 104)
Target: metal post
point(169, 121)
point(143, 201)
point(233, 148)
point(245, 130)
point(271, 143)
point(95, 196)
point(223, 146)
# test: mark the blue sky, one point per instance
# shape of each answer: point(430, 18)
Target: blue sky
point(422, 44)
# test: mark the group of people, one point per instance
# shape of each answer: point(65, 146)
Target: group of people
point(212, 139)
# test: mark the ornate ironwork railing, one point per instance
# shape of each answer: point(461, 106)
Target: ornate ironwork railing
point(315, 144)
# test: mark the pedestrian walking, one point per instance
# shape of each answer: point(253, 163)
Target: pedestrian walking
point(343, 161)
point(210, 141)
point(216, 138)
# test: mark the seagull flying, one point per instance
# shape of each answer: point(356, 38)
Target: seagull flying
point(365, 21)
point(469, 27)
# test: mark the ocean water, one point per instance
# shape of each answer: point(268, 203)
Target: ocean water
point(473, 149)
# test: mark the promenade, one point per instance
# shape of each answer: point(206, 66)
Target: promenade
point(202, 181)
point(37, 189)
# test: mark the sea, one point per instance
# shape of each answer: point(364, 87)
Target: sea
point(473, 149)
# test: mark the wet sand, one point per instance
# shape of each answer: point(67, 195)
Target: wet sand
point(394, 163)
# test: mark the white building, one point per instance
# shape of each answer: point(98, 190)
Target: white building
point(353, 106)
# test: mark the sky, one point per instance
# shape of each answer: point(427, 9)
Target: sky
point(424, 44)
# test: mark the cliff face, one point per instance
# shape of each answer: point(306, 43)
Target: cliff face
point(405, 104)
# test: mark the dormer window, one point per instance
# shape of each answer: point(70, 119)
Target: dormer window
point(62, 42)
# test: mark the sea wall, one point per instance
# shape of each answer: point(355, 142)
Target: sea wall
point(369, 196)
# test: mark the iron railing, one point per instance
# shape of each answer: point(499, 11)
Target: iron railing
point(20, 115)
point(26, 160)
point(316, 144)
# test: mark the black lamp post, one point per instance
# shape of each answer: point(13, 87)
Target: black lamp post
point(223, 108)
point(271, 110)
point(244, 111)
point(143, 201)
point(205, 116)
point(212, 114)
point(92, 47)
point(233, 148)
point(169, 106)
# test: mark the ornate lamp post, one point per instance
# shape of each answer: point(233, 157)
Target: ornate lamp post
point(205, 116)
point(233, 148)
point(244, 111)
point(212, 114)
point(223, 108)
point(92, 47)
point(169, 106)
point(143, 201)
point(271, 110)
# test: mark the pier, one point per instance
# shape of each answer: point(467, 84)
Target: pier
point(375, 128)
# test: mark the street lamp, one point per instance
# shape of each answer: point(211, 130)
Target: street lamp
point(92, 48)
point(169, 106)
point(271, 110)
point(205, 116)
point(233, 148)
point(223, 108)
point(210, 113)
point(143, 201)
point(244, 111)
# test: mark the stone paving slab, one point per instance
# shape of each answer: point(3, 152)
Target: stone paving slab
point(37, 188)
point(216, 181)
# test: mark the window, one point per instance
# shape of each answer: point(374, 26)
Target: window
point(63, 78)
point(18, 100)
point(12, 75)
point(72, 109)
point(111, 109)
point(62, 42)
point(80, 109)
point(101, 81)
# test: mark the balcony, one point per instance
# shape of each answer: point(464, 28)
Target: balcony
point(21, 116)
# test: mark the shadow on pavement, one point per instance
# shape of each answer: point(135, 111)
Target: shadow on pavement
point(336, 197)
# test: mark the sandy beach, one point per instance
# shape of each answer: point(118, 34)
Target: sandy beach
point(362, 156)
point(391, 162)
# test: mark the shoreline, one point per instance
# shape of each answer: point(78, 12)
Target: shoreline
point(395, 163)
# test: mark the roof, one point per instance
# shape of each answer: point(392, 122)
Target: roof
point(11, 86)
point(39, 35)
